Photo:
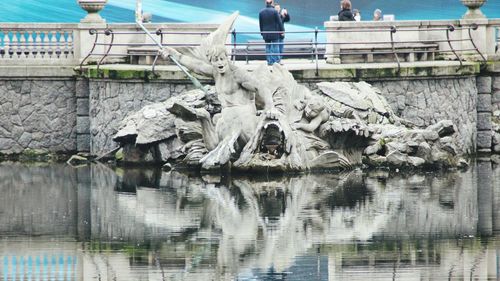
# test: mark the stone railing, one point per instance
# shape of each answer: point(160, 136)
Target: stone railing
point(455, 39)
point(70, 44)
point(36, 44)
point(114, 43)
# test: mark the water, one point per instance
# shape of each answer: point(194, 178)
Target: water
point(99, 223)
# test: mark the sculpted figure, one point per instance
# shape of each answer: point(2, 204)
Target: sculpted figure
point(239, 95)
point(314, 114)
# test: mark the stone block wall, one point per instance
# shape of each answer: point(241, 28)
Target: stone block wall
point(495, 95)
point(37, 114)
point(69, 115)
point(111, 101)
point(484, 113)
point(82, 115)
point(427, 101)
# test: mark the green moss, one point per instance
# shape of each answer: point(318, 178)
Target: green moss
point(420, 71)
point(377, 73)
point(119, 155)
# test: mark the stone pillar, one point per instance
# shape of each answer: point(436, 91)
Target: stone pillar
point(332, 52)
point(82, 116)
point(495, 104)
point(484, 112)
point(484, 38)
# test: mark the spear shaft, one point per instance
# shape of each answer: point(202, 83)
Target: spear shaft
point(193, 79)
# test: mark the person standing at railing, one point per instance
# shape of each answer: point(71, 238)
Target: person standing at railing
point(377, 15)
point(357, 14)
point(345, 13)
point(285, 17)
point(271, 27)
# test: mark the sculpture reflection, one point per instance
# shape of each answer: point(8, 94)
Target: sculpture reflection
point(138, 222)
point(268, 222)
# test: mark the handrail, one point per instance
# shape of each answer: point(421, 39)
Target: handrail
point(475, 27)
point(91, 32)
point(451, 28)
point(315, 48)
point(108, 32)
point(394, 30)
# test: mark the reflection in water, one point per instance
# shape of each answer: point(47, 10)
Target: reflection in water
point(96, 223)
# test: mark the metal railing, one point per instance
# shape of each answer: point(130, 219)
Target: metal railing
point(445, 43)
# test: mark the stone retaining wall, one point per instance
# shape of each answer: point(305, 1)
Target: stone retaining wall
point(427, 101)
point(112, 100)
point(68, 114)
point(37, 114)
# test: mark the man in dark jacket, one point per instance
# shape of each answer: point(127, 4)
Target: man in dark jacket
point(271, 27)
point(346, 14)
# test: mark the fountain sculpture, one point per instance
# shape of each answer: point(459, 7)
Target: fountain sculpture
point(266, 120)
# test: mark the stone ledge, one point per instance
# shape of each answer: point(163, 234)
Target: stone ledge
point(300, 70)
point(23, 71)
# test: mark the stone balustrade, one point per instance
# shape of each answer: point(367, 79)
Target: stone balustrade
point(69, 44)
point(47, 44)
point(468, 39)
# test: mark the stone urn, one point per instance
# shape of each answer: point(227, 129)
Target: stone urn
point(92, 7)
point(474, 12)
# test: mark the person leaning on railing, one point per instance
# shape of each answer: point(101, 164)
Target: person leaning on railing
point(285, 17)
point(346, 14)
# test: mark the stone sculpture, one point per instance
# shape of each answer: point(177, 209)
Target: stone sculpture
point(265, 120)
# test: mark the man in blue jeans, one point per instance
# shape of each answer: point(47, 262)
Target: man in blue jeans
point(271, 27)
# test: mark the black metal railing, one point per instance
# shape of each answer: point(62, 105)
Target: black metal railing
point(308, 46)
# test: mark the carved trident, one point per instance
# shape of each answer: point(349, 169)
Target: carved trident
point(138, 20)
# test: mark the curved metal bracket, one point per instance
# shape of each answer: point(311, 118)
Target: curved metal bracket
point(393, 30)
point(107, 32)
point(475, 27)
point(449, 29)
point(91, 32)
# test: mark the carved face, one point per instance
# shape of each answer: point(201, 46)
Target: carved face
point(311, 112)
point(313, 109)
point(220, 62)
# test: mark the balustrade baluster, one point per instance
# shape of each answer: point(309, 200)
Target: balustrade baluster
point(56, 40)
point(71, 43)
point(36, 41)
point(20, 43)
point(43, 43)
point(50, 47)
point(13, 44)
point(28, 51)
point(3, 38)
point(67, 44)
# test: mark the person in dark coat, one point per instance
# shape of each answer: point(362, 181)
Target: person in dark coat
point(285, 17)
point(272, 28)
point(346, 14)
